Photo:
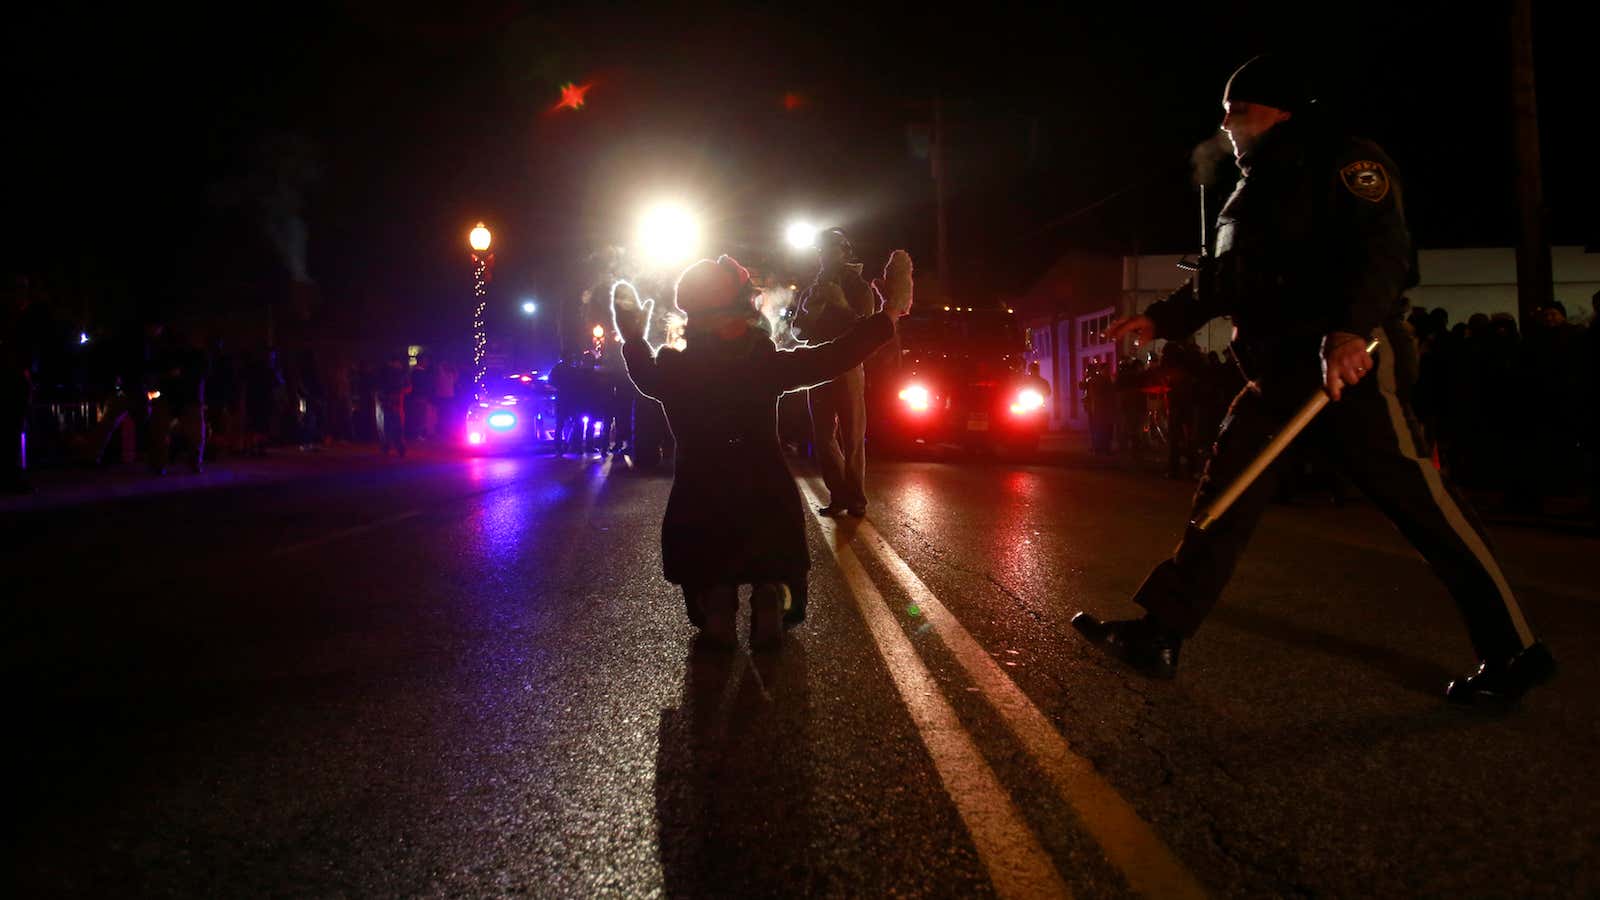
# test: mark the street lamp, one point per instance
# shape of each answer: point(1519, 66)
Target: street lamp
point(668, 235)
point(482, 263)
point(479, 238)
point(801, 235)
point(528, 309)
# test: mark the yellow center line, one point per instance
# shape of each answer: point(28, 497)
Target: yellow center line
point(1017, 863)
point(1130, 844)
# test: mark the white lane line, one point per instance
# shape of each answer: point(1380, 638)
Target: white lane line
point(345, 533)
point(1018, 865)
point(1130, 844)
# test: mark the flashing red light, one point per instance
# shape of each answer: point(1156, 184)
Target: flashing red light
point(1028, 400)
point(572, 96)
point(916, 397)
point(793, 101)
point(474, 437)
point(527, 378)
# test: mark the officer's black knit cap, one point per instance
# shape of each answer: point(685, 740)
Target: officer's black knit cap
point(1269, 80)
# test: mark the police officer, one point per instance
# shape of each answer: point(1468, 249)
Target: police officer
point(828, 307)
point(1312, 257)
point(1100, 402)
point(394, 383)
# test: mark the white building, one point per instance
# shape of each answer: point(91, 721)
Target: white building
point(1073, 302)
point(1463, 282)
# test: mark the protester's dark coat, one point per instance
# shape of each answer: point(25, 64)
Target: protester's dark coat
point(735, 515)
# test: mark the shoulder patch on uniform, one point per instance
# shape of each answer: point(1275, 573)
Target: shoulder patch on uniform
point(1366, 179)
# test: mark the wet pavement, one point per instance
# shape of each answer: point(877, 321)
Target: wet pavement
point(466, 676)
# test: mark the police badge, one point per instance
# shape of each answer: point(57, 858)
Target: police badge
point(1366, 179)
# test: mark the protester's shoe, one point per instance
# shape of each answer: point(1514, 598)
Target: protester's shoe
point(1503, 681)
point(1147, 646)
point(858, 512)
point(691, 605)
point(831, 510)
point(719, 606)
point(767, 603)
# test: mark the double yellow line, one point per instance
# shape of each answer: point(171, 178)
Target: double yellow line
point(1017, 863)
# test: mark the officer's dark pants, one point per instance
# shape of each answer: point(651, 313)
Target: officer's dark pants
point(121, 413)
point(839, 429)
point(14, 433)
point(1371, 434)
point(393, 433)
point(650, 431)
point(189, 419)
point(1102, 429)
point(1181, 451)
point(621, 413)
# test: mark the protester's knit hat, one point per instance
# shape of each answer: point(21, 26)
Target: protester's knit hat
point(712, 287)
point(1270, 80)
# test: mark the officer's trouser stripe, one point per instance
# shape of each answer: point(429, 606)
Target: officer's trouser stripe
point(1441, 495)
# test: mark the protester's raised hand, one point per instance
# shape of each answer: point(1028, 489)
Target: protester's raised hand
point(629, 316)
point(896, 284)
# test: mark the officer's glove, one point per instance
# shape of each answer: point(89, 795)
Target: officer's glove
point(629, 316)
point(895, 285)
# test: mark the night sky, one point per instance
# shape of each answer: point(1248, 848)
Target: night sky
point(153, 156)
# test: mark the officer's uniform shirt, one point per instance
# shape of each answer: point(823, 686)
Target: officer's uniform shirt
point(1313, 240)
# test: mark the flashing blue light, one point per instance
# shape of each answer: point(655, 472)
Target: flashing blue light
point(502, 421)
point(83, 337)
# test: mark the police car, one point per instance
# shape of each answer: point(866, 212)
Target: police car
point(514, 411)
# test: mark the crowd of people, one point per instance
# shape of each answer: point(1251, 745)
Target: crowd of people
point(1506, 411)
point(164, 395)
point(1509, 410)
point(598, 411)
point(1173, 404)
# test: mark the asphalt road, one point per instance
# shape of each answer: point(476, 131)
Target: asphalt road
point(466, 677)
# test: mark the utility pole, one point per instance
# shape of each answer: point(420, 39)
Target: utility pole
point(1534, 278)
point(942, 263)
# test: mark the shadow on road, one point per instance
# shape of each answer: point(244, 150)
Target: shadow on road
point(733, 776)
point(1408, 671)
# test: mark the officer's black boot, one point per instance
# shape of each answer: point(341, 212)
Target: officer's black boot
point(1503, 681)
point(1145, 644)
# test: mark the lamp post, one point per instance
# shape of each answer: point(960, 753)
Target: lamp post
point(482, 272)
point(529, 309)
